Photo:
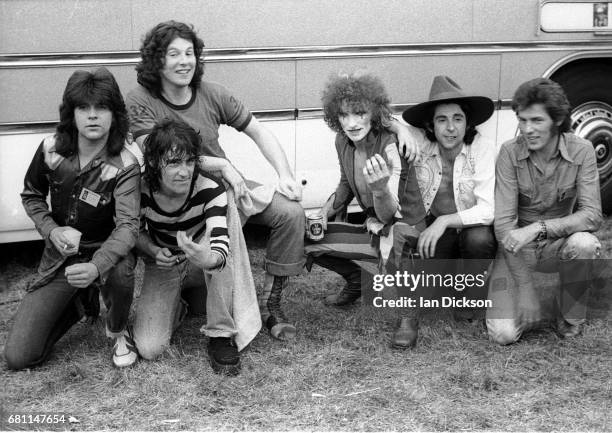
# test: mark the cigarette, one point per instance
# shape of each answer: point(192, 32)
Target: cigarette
point(65, 246)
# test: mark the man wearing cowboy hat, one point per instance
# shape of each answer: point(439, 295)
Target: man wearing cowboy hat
point(456, 176)
point(546, 204)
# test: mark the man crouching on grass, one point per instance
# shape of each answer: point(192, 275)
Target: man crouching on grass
point(94, 184)
point(547, 203)
point(185, 239)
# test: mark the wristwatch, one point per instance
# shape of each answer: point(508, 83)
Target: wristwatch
point(543, 234)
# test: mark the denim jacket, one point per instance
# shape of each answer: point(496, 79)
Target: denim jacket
point(101, 200)
point(473, 179)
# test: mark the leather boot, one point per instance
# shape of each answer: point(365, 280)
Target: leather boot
point(346, 297)
point(270, 308)
point(405, 336)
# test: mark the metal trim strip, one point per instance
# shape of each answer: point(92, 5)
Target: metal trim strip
point(263, 115)
point(118, 58)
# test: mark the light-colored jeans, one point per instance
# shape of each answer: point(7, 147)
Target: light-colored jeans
point(229, 295)
point(512, 277)
point(160, 308)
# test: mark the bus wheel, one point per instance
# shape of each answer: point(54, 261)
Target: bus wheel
point(589, 90)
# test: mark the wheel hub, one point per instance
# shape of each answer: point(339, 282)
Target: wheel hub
point(593, 121)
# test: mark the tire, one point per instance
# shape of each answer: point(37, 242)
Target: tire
point(589, 89)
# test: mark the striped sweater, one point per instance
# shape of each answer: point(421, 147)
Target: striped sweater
point(205, 209)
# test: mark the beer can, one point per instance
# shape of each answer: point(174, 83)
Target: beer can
point(315, 227)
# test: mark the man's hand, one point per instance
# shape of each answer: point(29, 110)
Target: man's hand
point(61, 242)
point(81, 275)
point(376, 173)
point(165, 259)
point(428, 239)
point(288, 187)
point(518, 238)
point(199, 254)
point(406, 144)
point(231, 175)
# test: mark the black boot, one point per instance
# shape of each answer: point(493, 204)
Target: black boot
point(349, 294)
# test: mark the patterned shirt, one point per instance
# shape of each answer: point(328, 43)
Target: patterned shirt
point(473, 179)
point(205, 209)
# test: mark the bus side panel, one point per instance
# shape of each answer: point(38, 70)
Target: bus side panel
point(407, 79)
point(34, 95)
point(259, 85)
point(16, 152)
point(270, 23)
point(516, 68)
point(52, 26)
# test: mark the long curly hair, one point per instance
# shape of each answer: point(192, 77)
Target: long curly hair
point(548, 93)
point(91, 88)
point(359, 91)
point(168, 139)
point(153, 54)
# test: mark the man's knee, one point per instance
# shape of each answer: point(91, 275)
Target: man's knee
point(292, 214)
point(581, 245)
point(503, 331)
point(150, 347)
point(17, 358)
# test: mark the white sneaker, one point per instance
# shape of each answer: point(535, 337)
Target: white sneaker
point(124, 350)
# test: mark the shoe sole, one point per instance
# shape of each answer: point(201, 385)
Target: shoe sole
point(225, 369)
point(402, 347)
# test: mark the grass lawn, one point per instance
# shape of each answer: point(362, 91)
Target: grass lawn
point(339, 373)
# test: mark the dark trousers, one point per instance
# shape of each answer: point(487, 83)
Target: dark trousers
point(47, 313)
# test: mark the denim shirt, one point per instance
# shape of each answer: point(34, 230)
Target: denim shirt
point(526, 193)
point(101, 200)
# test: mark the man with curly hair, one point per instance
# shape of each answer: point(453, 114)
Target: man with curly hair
point(171, 86)
point(94, 183)
point(357, 108)
point(547, 204)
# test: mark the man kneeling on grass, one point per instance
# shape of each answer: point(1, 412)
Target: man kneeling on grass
point(547, 203)
point(94, 182)
point(186, 244)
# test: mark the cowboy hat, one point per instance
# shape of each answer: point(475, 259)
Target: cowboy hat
point(445, 90)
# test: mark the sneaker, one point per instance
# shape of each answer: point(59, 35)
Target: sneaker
point(223, 356)
point(124, 350)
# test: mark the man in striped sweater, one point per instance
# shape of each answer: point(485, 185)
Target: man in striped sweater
point(184, 238)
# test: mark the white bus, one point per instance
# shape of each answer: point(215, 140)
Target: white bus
point(276, 55)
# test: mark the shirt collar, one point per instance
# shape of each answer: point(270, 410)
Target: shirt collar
point(523, 151)
point(432, 149)
point(563, 149)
